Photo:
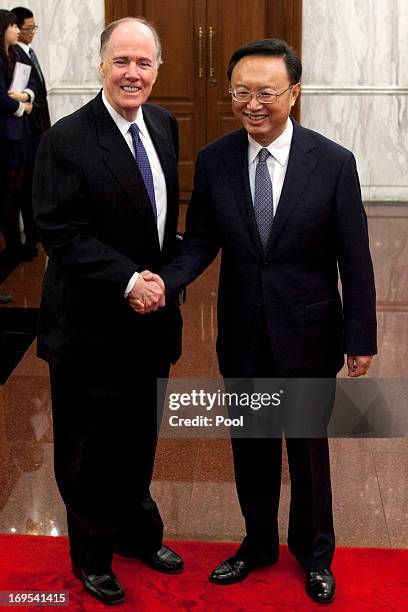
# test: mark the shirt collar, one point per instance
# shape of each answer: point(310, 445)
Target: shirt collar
point(279, 148)
point(122, 123)
point(25, 47)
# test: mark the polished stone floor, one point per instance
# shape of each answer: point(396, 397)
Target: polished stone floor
point(193, 481)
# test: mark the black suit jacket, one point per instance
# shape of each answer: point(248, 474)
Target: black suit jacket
point(11, 127)
point(320, 226)
point(98, 228)
point(40, 116)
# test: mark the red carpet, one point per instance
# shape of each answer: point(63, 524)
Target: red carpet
point(367, 579)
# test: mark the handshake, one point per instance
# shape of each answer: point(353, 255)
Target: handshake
point(148, 293)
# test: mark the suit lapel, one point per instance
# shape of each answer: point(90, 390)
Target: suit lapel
point(121, 162)
point(236, 163)
point(38, 78)
point(301, 165)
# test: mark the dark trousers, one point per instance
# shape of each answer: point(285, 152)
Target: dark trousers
point(30, 228)
point(11, 181)
point(258, 465)
point(105, 436)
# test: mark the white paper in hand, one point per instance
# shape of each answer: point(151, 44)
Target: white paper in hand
point(20, 77)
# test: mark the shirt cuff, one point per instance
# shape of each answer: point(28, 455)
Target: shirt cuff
point(20, 111)
point(130, 284)
point(30, 93)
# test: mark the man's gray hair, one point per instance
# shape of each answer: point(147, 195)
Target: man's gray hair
point(107, 33)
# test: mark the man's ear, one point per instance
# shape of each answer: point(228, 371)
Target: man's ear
point(295, 93)
point(101, 71)
point(155, 76)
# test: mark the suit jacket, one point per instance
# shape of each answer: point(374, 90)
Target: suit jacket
point(319, 227)
point(11, 127)
point(40, 116)
point(97, 226)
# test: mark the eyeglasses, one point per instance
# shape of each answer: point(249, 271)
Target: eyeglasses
point(30, 29)
point(265, 97)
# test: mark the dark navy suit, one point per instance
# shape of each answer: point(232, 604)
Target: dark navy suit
point(280, 312)
point(40, 115)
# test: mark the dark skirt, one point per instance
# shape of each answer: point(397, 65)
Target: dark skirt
point(18, 153)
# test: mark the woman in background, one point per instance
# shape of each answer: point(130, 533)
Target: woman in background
point(16, 148)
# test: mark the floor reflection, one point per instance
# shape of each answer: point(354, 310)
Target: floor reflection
point(193, 481)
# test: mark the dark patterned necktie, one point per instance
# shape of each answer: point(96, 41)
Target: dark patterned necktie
point(144, 165)
point(36, 64)
point(263, 200)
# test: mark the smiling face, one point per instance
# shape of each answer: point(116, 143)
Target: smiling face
point(128, 68)
point(26, 32)
point(255, 73)
point(11, 35)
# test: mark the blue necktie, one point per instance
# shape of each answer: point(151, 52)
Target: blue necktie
point(263, 200)
point(36, 64)
point(144, 165)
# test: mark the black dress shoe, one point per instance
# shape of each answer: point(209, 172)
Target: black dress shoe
point(235, 569)
point(321, 585)
point(105, 587)
point(164, 560)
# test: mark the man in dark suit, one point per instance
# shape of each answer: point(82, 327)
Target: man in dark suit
point(283, 203)
point(39, 118)
point(104, 216)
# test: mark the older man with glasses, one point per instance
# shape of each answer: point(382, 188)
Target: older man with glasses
point(283, 204)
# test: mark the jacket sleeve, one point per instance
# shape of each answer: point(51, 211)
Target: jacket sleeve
point(201, 241)
point(355, 265)
point(8, 106)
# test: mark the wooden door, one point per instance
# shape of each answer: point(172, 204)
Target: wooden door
point(198, 38)
point(230, 24)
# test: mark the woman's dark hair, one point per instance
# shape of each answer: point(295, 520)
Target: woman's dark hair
point(6, 18)
point(274, 47)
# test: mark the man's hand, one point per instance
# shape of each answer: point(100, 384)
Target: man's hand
point(20, 96)
point(147, 294)
point(358, 365)
point(150, 276)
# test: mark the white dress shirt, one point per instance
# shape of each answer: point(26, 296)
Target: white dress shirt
point(159, 181)
point(277, 162)
point(25, 48)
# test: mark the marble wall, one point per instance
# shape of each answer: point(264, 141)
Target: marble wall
point(355, 84)
point(67, 45)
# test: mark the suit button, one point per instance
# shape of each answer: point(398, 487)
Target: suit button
point(265, 265)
